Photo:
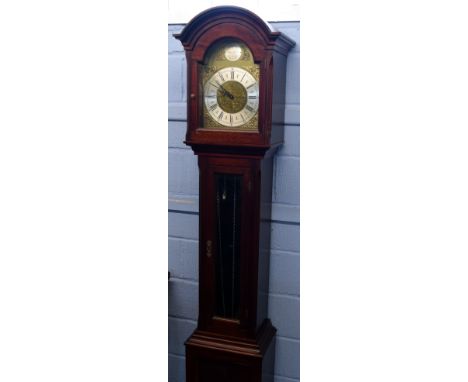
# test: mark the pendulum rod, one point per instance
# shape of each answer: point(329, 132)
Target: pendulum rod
point(219, 256)
point(233, 246)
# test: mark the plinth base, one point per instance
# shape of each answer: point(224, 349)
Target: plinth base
point(214, 358)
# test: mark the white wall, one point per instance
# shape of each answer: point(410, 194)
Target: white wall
point(182, 11)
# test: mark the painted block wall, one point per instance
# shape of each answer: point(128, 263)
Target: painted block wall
point(183, 221)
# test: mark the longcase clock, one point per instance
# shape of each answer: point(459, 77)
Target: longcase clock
point(236, 67)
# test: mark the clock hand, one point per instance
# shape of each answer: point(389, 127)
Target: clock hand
point(225, 92)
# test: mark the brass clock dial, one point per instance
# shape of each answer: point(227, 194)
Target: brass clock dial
point(231, 96)
point(230, 87)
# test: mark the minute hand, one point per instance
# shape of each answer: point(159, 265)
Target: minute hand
point(225, 92)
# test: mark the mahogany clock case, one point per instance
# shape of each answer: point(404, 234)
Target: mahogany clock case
point(234, 339)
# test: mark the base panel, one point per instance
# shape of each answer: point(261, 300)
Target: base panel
point(212, 358)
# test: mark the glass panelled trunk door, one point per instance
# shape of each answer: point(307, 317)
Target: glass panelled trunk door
point(228, 191)
point(227, 211)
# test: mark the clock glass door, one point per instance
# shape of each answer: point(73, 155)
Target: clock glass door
point(228, 188)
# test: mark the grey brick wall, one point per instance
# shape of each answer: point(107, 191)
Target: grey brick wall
point(183, 221)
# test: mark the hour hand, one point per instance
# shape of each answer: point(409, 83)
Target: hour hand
point(225, 92)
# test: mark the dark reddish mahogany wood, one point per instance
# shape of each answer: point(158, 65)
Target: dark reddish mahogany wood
point(225, 349)
point(269, 50)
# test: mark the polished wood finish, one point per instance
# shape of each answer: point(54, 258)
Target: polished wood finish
point(212, 358)
point(269, 50)
point(240, 349)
